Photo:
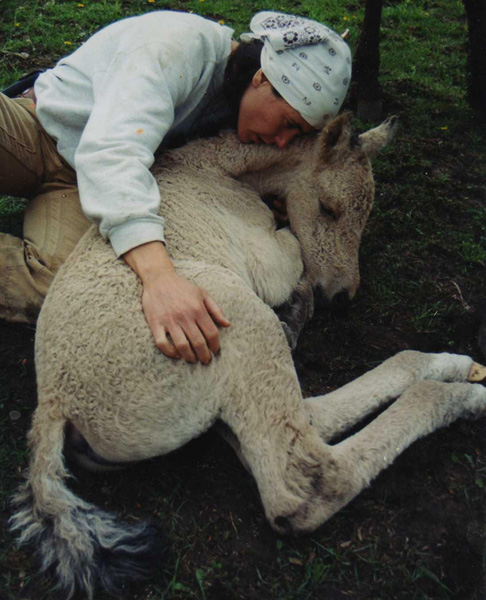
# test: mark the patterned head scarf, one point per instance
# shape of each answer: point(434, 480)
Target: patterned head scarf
point(305, 61)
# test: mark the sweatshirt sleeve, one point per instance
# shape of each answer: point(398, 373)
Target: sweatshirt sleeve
point(134, 104)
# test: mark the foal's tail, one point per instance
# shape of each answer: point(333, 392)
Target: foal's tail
point(85, 546)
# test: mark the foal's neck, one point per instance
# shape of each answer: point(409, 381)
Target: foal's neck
point(271, 170)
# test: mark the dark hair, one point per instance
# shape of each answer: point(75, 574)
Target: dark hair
point(242, 65)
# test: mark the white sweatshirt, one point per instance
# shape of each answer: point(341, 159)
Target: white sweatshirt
point(110, 104)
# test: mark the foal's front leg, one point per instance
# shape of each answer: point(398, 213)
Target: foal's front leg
point(338, 411)
point(420, 410)
point(423, 408)
point(335, 413)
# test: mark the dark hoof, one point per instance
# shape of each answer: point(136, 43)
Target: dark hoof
point(291, 335)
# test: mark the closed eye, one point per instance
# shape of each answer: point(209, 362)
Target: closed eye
point(290, 125)
point(328, 212)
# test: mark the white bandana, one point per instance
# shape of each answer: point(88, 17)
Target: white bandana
point(305, 61)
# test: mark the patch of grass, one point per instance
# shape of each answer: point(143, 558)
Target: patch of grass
point(10, 205)
point(472, 251)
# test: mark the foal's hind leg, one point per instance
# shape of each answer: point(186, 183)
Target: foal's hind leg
point(338, 411)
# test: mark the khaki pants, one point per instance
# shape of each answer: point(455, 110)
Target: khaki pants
point(31, 167)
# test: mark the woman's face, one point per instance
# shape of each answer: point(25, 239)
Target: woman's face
point(265, 118)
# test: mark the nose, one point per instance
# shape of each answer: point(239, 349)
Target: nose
point(339, 303)
point(321, 301)
point(282, 138)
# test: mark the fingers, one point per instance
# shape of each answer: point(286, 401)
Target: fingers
point(182, 344)
point(279, 210)
point(198, 340)
point(209, 332)
point(164, 344)
point(176, 344)
point(215, 312)
point(279, 206)
point(183, 318)
point(198, 343)
point(192, 342)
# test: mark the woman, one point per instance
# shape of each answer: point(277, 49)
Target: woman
point(94, 122)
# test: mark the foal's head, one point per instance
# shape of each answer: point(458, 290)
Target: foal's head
point(329, 203)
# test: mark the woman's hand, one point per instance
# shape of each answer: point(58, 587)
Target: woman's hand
point(182, 316)
point(279, 209)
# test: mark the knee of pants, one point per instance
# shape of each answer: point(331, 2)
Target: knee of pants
point(54, 223)
point(21, 161)
point(24, 280)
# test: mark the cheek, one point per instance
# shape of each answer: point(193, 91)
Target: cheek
point(264, 120)
point(239, 129)
point(248, 114)
point(242, 127)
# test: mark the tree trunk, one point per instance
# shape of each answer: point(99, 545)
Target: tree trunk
point(367, 64)
point(476, 62)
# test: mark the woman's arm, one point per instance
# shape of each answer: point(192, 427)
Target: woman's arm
point(182, 316)
point(133, 110)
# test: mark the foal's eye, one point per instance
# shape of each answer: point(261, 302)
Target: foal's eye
point(328, 212)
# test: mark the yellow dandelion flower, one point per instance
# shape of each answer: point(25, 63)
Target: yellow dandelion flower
point(444, 128)
point(17, 24)
point(345, 18)
point(221, 22)
point(68, 43)
point(150, 1)
point(81, 5)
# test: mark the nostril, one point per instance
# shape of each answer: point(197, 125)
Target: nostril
point(283, 523)
point(341, 298)
point(340, 302)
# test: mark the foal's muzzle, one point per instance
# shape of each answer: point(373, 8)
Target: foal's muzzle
point(338, 304)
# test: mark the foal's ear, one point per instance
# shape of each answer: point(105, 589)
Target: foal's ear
point(374, 140)
point(335, 137)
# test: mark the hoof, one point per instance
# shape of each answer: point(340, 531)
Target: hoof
point(291, 335)
point(477, 374)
